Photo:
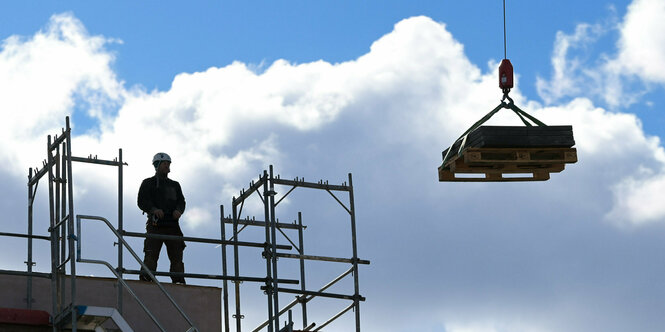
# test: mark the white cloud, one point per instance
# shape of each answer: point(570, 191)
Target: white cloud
point(639, 199)
point(566, 77)
point(613, 78)
point(40, 78)
point(618, 78)
point(196, 216)
point(642, 42)
point(613, 146)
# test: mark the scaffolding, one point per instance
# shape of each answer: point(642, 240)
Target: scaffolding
point(58, 169)
point(65, 234)
point(265, 188)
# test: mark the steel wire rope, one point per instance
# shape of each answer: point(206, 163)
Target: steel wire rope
point(505, 56)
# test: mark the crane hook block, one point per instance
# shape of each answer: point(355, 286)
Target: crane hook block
point(505, 75)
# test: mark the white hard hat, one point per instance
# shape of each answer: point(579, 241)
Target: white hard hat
point(161, 156)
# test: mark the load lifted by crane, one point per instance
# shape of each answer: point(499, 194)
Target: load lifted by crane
point(508, 153)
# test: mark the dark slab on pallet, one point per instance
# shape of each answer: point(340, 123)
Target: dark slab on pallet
point(517, 137)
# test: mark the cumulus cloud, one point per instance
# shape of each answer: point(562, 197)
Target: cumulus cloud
point(638, 198)
point(41, 77)
point(385, 116)
point(568, 76)
point(578, 71)
point(618, 78)
point(224, 121)
point(640, 52)
point(642, 45)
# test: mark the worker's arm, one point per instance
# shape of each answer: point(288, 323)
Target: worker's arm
point(180, 204)
point(144, 200)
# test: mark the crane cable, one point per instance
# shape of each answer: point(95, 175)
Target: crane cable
point(505, 68)
point(504, 30)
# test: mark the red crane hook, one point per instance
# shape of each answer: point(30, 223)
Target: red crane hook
point(505, 76)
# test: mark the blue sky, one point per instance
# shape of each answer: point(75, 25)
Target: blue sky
point(376, 88)
point(162, 39)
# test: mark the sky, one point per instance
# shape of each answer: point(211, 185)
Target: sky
point(320, 89)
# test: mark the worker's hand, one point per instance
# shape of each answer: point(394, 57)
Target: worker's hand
point(176, 214)
point(159, 214)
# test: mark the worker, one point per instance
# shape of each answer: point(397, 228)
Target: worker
point(162, 200)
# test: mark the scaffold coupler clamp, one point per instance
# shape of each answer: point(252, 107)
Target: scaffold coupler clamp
point(266, 253)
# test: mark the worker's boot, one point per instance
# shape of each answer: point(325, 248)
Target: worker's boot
point(178, 267)
point(151, 262)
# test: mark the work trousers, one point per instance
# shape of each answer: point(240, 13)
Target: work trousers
point(174, 249)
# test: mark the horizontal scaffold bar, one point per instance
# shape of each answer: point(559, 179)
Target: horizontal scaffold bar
point(202, 240)
point(321, 258)
point(322, 294)
point(38, 175)
point(41, 237)
point(211, 276)
point(27, 274)
point(262, 223)
point(246, 193)
point(325, 186)
point(91, 160)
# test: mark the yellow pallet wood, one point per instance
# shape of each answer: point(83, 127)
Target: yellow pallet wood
point(506, 164)
point(520, 155)
point(448, 176)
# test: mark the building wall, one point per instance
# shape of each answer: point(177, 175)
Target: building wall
point(201, 304)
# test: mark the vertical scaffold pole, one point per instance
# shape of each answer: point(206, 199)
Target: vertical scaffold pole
point(29, 262)
point(61, 211)
point(268, 252)
point(120, 230)
point(273, 229)
point(225, 288)
point(238, 317)
point(70, 221)
point(55, 276)
point(301, 243)
point(356, 295)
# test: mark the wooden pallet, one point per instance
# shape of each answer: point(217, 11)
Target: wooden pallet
point(519, 156)
point(506, 164)
point(448, 176)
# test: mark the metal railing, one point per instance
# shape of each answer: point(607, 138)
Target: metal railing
point(119, 277)
point(29, 263)
point(117, 272)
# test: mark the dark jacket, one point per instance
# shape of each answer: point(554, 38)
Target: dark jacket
point(161, 193)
